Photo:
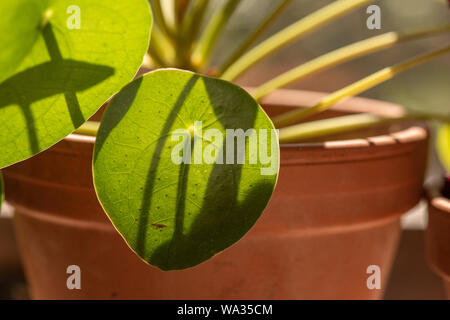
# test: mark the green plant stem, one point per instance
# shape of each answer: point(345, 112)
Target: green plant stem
point(265, 24)
point(355, 88)
point(318, 128)
point(193, 20)
point(46, 18)
point(179, 7)
point(89, 128)
point(161, 49)
point(343, 55)
point(176, 9)
point(291, 33)
point(209, 38)
point(189, 29)
point(149, 62)
point(180, 10)
point(161, 19)
point(306, 130)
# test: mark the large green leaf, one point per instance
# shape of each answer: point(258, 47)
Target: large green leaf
point(176, 216)
point(20, 25)
point(55, 76)
point(443, 145)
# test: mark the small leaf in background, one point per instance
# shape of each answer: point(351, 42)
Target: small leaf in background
point(443, 145)
point(54, 77)
point(176, 216)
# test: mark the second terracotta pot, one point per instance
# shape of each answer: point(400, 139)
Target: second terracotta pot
point(438, 238)
point(335, 212)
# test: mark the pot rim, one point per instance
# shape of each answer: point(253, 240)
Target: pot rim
point(436, 199)
point(286, 97)
point(441, 207)
point(441, 203)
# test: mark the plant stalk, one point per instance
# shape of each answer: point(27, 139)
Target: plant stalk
point(265, 24)
point(284, 37)
point(161, 19)
point(304, 131)
point(209, 38)
point(342, 55)
point(161, 49)
point(356, 88)
point(180, 10)
point(193, 21)
point(188, 30)
point(314, 129)
point(89, 128)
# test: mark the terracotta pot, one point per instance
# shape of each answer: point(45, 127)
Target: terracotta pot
point(11, 272)
point(9, 254)
point(335, 212)
point(438, 237)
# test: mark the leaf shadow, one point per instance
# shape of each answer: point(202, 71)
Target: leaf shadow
point(57, 76)
point(124, 102)
point(152, 172)
point(204, 238)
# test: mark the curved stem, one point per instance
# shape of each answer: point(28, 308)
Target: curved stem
point(48, 14)
point(194, 18)
point(180, 8)
point(255, 35)
point(342, 55)
point(356, 88)
point(314, 129)
point(160, 18)
point(209, 38)
point(298, 132)
point(291, 33)
point(191, 25)
point(307, 130)
point(89, 128)
point(150, 62)
point(161, 49)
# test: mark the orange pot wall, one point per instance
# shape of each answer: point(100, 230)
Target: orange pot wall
point(10, 265)
point(335, 212)
point(438, 239)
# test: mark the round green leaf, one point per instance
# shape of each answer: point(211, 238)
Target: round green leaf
point(63, 60)
point(177, 215)
point(443, 145)
point(19, 22)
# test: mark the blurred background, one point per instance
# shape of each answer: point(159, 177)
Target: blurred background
point(424, 89)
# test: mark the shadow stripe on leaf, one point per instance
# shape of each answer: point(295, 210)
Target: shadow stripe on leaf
point(177, 216)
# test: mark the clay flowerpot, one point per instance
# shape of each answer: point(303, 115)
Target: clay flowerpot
point(11, 273)
point(9, 255)
point(438, 237)
point(335, 212)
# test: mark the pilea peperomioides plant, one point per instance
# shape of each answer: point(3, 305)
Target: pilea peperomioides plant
point(184, 164)
point(57, 74)
point(175, 214)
